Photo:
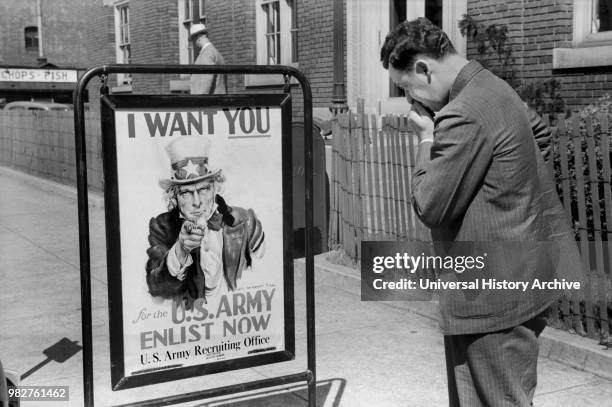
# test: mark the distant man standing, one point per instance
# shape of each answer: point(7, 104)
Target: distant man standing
point(479, 177)
point(210, 83)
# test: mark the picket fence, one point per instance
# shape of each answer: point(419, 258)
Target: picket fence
point(372, 162)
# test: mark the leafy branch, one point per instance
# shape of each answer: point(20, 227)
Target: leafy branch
point(494, 50)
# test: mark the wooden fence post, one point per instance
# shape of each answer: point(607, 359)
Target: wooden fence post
point(369, 190)
point(362, 153)
point(405, 171)
point(377, 179)
point(385, 175)
point(582, 218)
point(346, 184)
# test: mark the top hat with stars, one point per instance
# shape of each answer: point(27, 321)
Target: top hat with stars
point(189, 161)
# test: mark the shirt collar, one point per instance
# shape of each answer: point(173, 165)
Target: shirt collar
point(464, 76)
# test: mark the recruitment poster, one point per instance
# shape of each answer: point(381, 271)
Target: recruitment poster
point(198, 200)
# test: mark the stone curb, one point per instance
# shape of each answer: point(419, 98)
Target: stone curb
point(561, 346)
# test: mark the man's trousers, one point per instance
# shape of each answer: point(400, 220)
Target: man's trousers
point(495, 369)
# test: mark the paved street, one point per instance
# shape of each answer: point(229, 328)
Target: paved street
point(368, 354)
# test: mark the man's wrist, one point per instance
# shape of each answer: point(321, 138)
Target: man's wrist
point(181, 253)
point(177, 265)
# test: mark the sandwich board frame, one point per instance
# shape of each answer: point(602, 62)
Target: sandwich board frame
point(153, 340)
point(308, 375)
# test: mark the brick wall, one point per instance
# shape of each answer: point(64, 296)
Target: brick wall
point(232, 29)
point(100, 39)
point(231, 26)
point(42, 144)
point(63, 29)
point(535, 28)
point(316, 47)
point(48, 147)
point(231, 23)
point(154, 40)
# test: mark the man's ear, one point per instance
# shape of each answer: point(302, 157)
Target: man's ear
point(421, 67)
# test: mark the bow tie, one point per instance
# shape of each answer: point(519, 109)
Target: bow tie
point(215, 222)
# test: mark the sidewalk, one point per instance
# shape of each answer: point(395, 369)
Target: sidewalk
point(368, 354)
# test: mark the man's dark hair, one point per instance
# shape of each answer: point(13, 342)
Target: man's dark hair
point(412, 38)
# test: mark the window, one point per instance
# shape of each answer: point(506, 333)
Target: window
point(190, 12)
point(294, 33)
point(273, 36)
point(592, 22)
point(443, 13)
point(592, 37)
point(187, 21)
point(277, 39)
point(601, 16)
point(277, 32)
point(122, 32)
point(202, 10)
point(398, 14)
point(31, 38)
point(433, 11)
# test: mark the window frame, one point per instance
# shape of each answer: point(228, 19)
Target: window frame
point(294, 32)
point(31, 33)
point(588, 49)
point(286, 14)
point(452, 10)
point(202, 10)
point(582, 24)
point(186, 50)
point(288, 36)
point(187, 11)
point(272, 32)
point(123, 44)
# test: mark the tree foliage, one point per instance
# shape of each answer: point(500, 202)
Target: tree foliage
point(495, 52)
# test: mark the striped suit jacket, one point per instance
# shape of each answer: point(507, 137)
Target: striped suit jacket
point(483, 180)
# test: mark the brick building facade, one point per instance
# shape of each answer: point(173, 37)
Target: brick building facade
point(57, 43)
point(233, 30)
point(546, 44)
point(543, 35)
point(62, 32)
point(158, 35)
point(153, 39)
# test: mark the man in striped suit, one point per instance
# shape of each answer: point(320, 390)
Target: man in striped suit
point(479, 177)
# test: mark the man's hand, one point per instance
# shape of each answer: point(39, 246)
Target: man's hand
point(421, 119)
point(189, 238)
